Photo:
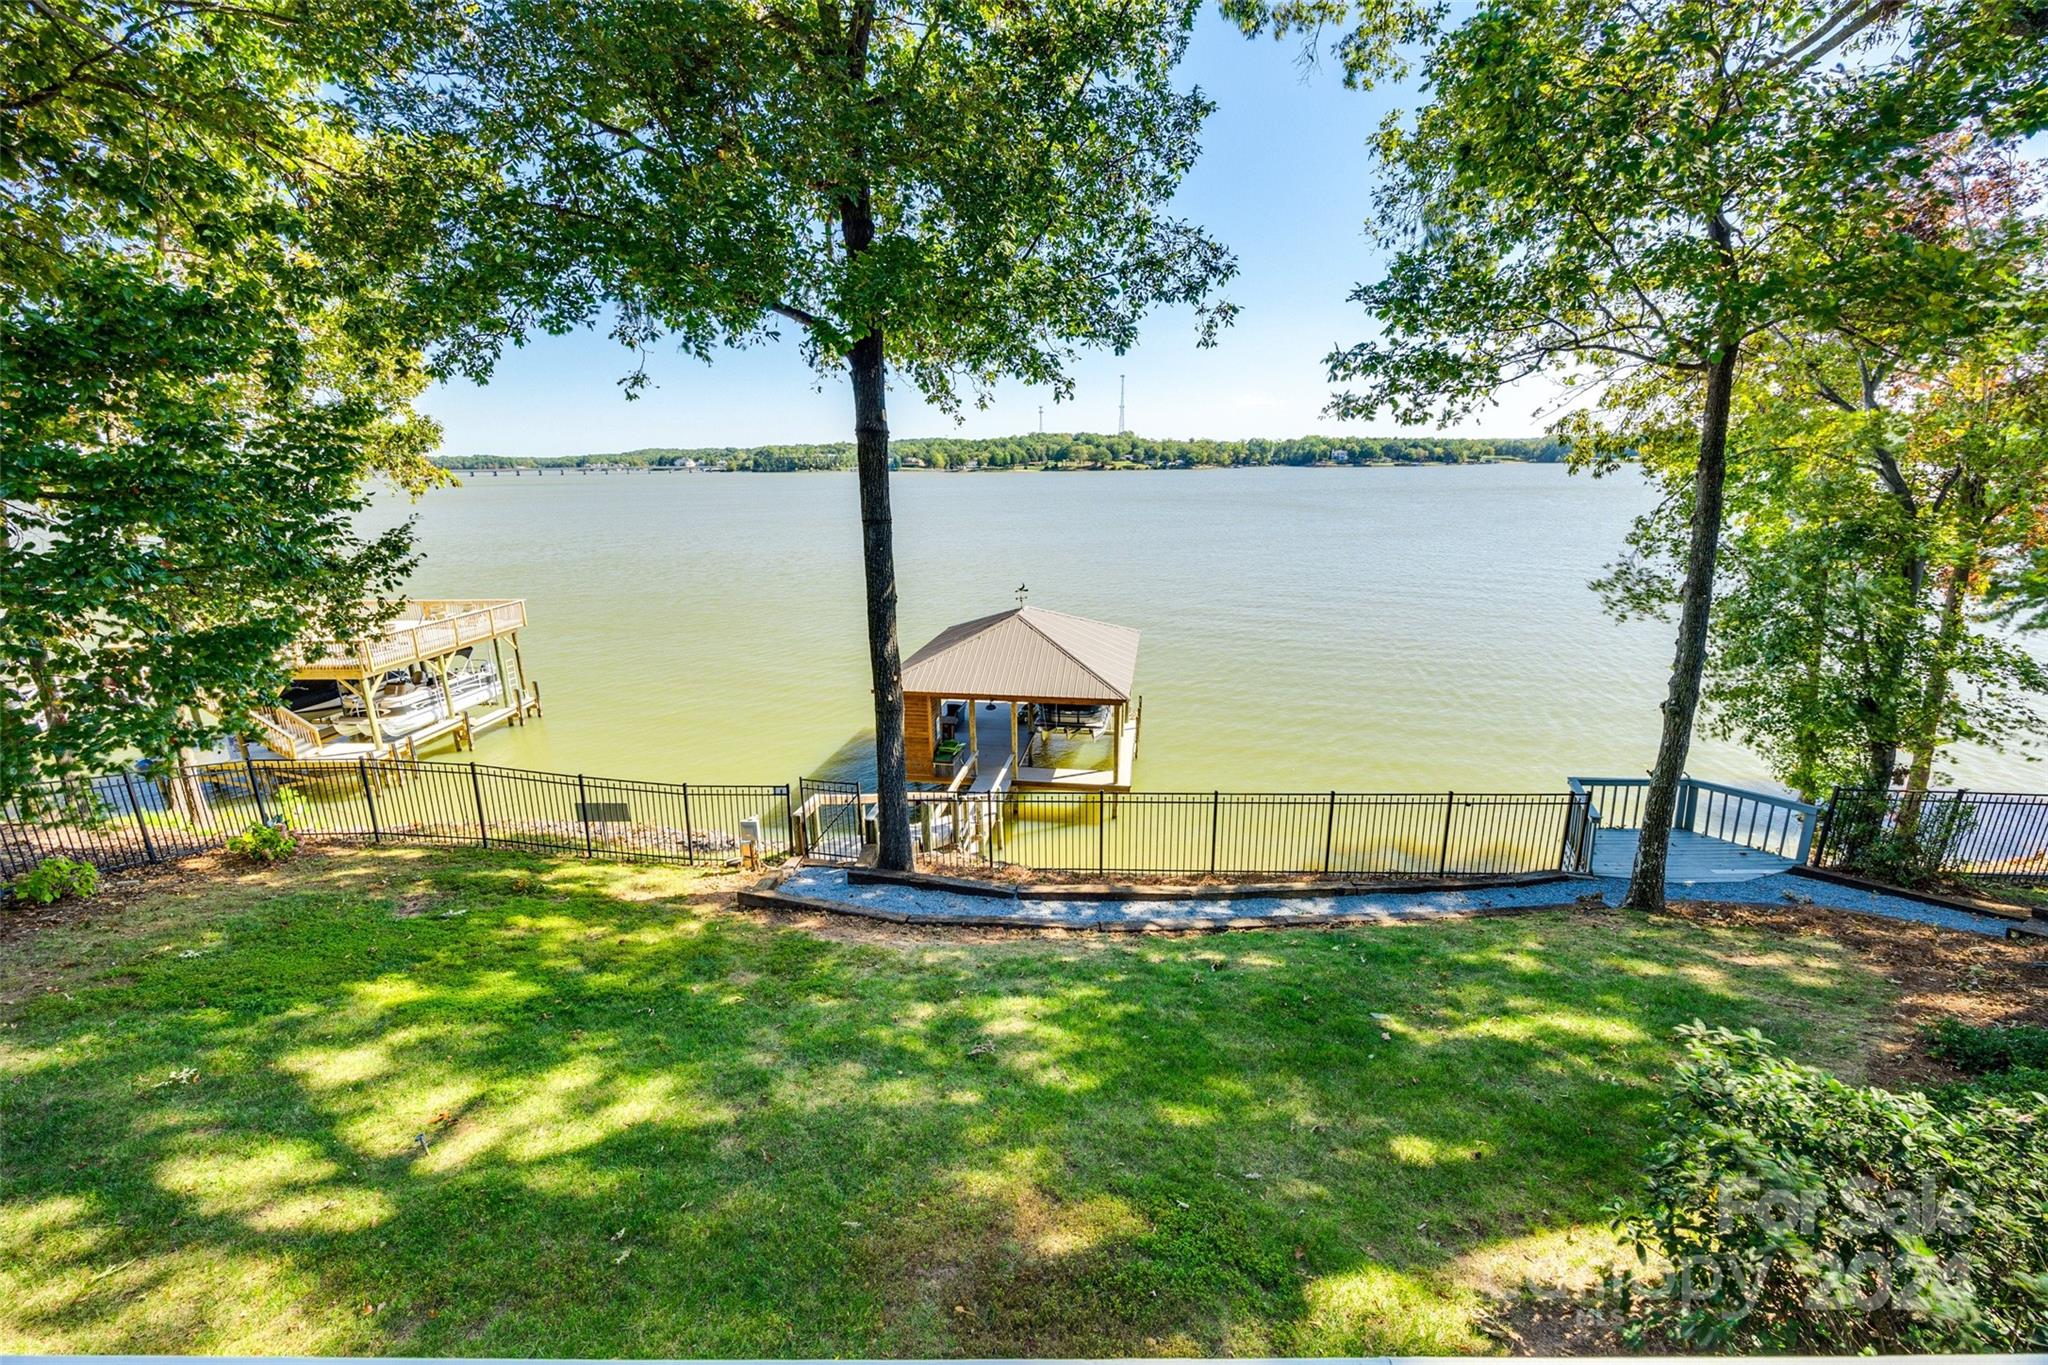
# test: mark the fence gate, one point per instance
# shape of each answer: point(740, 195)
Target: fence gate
point(828, 824)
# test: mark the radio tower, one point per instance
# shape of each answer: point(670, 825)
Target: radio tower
point(1120, 427)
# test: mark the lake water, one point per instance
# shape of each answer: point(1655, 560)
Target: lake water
point(1304, 629)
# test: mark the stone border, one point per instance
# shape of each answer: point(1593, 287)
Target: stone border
point(785, 902)
point(1104, 891)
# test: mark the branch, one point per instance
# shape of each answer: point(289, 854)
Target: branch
point(797, 315)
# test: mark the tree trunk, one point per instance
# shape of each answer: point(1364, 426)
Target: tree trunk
point(1935, 697)
point(1885, 706)
point(1688, 666)
point(878, 562)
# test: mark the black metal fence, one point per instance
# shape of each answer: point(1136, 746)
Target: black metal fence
point(1917, 837)
point(1234, 834)
point(152, 815)
point(133, 818)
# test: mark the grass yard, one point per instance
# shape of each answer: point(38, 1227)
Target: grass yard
point(390, 1101)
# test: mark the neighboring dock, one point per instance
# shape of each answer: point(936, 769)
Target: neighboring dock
point(422, 679)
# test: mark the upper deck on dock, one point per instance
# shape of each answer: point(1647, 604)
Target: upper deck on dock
point(425, 629)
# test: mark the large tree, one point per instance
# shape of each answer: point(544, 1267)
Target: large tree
point(964, 192)
point(1860, 543)
point(1602, 188)
point(196, 375)
point(1886, 470)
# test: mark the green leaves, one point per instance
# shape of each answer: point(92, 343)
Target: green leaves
point(198, 369)
point(1555, 206)
point(692, 168)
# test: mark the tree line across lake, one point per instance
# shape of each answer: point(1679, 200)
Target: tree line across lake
point(1055, 450)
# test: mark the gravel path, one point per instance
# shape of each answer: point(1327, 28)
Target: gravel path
point(938, 907)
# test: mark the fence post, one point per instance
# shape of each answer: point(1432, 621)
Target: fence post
point(1329, 833)
point(369, 797)
point(799, 820)
point(583, 809)
point(255, 786)
point(689, 833)
point(1827, 827)
point(476, 789)
point(1215, 823)
point(141, 825)
point(1954, 832)
point(1443, 857)
point(1101, 858)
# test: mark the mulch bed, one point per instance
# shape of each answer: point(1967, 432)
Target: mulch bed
point(1940, 973)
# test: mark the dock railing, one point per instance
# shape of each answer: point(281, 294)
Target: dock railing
point(442, 627)
point(1765, 821)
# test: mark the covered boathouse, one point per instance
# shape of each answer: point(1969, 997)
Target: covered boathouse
point(1027, 698)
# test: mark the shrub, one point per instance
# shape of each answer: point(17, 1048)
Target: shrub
point(292, 807)
point(2015, 1084)
point(1980, 1049)
point(1877, 842)
point(1799, 1213)
point(54, 879)
point(263, 844)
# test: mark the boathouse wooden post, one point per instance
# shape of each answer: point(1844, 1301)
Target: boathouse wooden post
point(519, 662)
point(440, 667)
point(1116, 749)
point(370, 710)
point(498, 658)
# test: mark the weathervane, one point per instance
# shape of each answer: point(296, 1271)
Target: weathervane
point(1023, 591)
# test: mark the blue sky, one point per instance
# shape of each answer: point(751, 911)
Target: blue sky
point(1284, 179)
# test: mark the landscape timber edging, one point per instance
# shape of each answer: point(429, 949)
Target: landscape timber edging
point(785, 901)
point(1106, 891)
point(1828, 874)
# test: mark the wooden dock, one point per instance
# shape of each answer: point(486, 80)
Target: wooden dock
point(1719, 833)
point(1693, 857)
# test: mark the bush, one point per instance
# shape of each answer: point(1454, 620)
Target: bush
point(1798, 1213)
point(292, 807)
point(2016, 1085)
point(1881, 842)
point(263, 844)
point(1979, 1050)
point(54, 879)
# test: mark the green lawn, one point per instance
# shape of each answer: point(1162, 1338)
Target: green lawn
point(653, 1127)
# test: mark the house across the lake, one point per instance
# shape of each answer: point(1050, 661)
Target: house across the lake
point(1027, 698)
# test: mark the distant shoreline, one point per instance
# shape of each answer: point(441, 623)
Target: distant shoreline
point(518, 470)
point(1047, 451)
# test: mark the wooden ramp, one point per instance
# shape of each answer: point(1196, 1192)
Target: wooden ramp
point(1693, 857)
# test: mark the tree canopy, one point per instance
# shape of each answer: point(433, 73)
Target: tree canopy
point(196, 373)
